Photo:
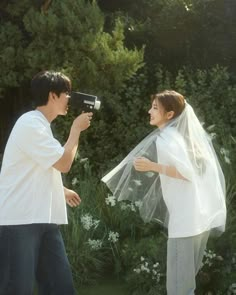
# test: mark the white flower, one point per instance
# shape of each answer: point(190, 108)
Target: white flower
point(138, 204)
point(186, 7)
point(145, 268)
point(84, 160)
point(149, 174)
point(227, 160)
point(158, 276)
point(213, 135)
point(95, 244)
point(74, 181)
point(131, 28)
point(110, 200)
point(208, 257)
point(137, 270)
point(152, 270)
point(123, 206)
point(211, 127)
point(137, 182)
point(96, 223)
point(132, 208)
point(156, 265)
point(113, 236)
point(225, 153)
point(88, 221)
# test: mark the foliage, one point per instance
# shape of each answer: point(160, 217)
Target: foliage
point(145, 264)
point(211, 92)
point(135, 252)
point(179, 32)
point(136, 240)
point(104, 236)
point(182, 40)
point(217, 275)
point(68, 37)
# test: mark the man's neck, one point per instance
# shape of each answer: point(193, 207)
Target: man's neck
point(47, 112)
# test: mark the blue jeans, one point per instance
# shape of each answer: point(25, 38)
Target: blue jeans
point(34, 253)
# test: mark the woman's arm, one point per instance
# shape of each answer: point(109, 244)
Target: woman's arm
point(143, 164)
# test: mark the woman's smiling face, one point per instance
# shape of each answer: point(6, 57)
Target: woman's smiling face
point(158, 115)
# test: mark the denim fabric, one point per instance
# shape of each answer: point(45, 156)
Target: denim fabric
point(184, 259)
point(34, 253)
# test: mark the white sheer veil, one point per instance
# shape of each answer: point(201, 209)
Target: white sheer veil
point(184, 142)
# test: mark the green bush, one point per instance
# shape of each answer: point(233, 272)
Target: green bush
point(136, 240)
point(68, 37)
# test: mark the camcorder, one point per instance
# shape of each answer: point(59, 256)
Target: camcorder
point(84, 102)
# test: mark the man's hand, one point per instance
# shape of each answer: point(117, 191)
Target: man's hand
point(143, 164)
point(82, 122)
point(72, 198)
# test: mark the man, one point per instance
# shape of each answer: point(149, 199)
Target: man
point(32, 196)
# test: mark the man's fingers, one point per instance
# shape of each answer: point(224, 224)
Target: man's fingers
point(73, 203)
point(77, 198)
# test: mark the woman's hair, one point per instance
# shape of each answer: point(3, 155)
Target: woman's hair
point(174, 101)
point(48, 81)
point(171, 101)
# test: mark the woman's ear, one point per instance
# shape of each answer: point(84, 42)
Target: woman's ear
point(170, 115)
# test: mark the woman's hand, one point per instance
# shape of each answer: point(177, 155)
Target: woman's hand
point(72, 198)
point(143, 164)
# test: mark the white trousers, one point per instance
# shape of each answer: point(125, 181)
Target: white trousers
point(184, 259)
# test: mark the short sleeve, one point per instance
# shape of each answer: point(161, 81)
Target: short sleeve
point(34, 137)
point(172, 151)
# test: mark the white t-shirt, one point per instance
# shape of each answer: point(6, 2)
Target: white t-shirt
point(193, 206)
point(31, 190)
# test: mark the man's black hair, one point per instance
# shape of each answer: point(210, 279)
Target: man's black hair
point(48, 81)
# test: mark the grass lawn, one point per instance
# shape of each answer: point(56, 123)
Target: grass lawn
point(105, 287)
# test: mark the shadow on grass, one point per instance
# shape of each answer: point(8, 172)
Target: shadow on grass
point(105, 287)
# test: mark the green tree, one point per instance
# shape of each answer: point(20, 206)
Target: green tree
point(180, 32)
point(67, 36)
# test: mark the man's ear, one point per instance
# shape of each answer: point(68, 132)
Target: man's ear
point(170, 115)
point(51, 96)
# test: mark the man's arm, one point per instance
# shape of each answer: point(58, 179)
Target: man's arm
point(72, 198)
point(80, 124)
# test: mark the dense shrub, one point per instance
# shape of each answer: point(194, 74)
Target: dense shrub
point(69, 36)
point(123, 122)
point(104, 236)
point(137, 252)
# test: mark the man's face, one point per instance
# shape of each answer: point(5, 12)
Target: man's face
point(61, 103)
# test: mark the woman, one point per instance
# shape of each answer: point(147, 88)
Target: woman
point(175, 174)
